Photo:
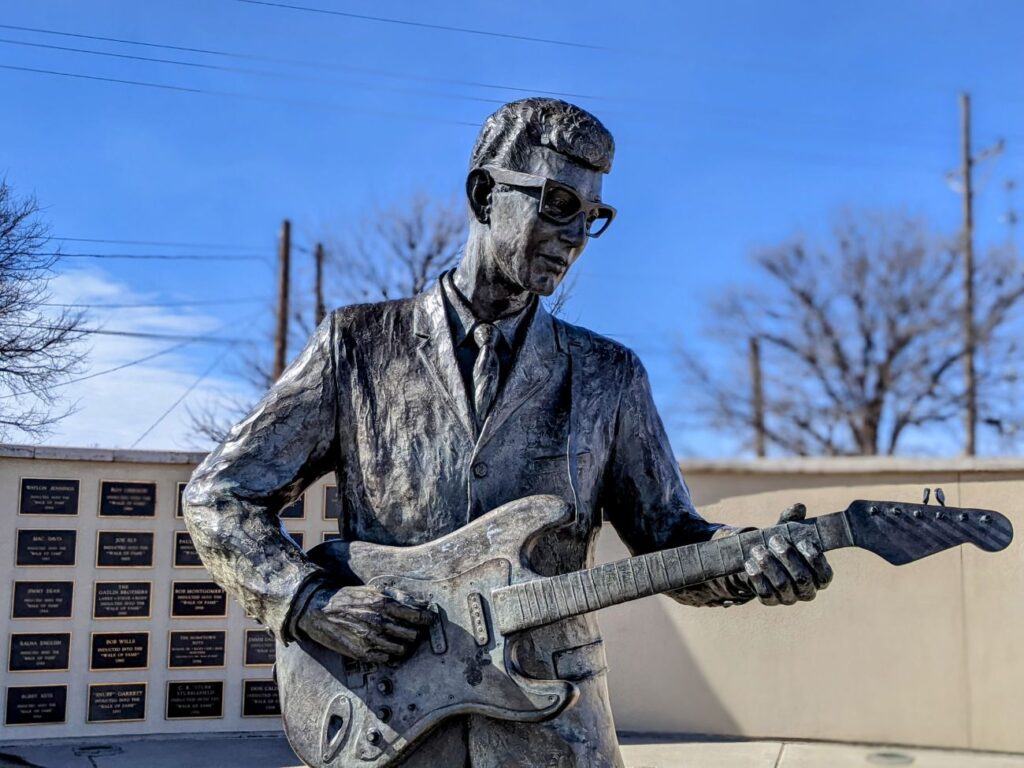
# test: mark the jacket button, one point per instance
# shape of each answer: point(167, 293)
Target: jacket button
point(480, 469)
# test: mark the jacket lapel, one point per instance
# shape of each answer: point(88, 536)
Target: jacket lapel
point(430, 325)
point(530, 371)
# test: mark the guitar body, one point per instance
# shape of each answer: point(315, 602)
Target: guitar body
point(338, 713)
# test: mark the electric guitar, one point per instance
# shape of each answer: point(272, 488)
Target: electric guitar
point(340, 714)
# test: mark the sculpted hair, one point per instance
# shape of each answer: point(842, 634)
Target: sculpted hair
point(509, 133)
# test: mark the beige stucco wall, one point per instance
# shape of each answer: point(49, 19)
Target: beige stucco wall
point(924, 654)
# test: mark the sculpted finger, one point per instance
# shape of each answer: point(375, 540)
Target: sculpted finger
point(383, 644)
point(760, 584)
point(793, 514)
point(406, 608)
point(399, 631)
point(776, 574)
point(819, 565)
point(793, 561)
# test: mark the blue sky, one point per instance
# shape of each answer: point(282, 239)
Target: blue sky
point(738, 124)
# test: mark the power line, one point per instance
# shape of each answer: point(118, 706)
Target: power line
point(245, 71)
point(249, 97)
point(155, 304)
point(153, 242)
point(130, 334)
point(186, 393)
point(303, 63)
point(156, 256)
point(139, 361)
point(425, 25)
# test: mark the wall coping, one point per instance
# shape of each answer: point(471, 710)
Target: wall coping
point(53, 452)
point(852, 465)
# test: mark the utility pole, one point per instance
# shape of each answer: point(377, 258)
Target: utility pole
point(284, 255)
point(318, 256)
point(965, 186)
point(970, 385)
point(757, 395)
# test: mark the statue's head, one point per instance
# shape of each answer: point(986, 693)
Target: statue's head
point(534, 189)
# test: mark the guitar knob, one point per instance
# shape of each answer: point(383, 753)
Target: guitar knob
point(962, 517)
point(984, 519)
point(385, 686)
point(373, 737)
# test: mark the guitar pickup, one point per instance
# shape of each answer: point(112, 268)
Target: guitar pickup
point(477, 620)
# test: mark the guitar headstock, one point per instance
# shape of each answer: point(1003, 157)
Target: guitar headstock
point(902, 533)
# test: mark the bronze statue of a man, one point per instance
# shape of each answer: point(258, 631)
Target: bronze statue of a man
point(435, 409)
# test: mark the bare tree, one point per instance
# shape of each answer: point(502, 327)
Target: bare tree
point(393, 253)
point(39, 350)
point(397, 252)
point(862, 341)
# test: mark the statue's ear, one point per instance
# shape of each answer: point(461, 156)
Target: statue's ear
point(478, 189)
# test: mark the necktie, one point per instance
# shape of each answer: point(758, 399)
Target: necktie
point(485, 370)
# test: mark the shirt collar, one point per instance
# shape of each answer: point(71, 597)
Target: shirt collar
point(462, 320)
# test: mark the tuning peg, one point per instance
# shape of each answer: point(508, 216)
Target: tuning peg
point(940, 496)
point(925, 495)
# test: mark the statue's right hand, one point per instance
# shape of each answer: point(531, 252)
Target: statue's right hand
point(364, 623)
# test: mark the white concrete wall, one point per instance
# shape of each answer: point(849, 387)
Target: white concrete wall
point(924, 654)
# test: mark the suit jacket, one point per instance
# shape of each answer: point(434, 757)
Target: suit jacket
point(376, 397)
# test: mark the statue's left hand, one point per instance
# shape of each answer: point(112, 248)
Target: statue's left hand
point(784, 572)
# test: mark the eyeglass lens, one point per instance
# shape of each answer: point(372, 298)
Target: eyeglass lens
point(562, 204)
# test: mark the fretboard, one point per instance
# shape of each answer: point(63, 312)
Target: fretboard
point(546, 600)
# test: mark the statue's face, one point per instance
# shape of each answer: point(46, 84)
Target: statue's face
point(535, 253)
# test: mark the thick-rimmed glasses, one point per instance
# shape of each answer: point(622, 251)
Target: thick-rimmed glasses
point(558, 202)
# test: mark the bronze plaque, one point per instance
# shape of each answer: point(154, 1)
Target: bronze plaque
point(197, 599)
point(196, 648)
point(39, 652)
point(45, 547)
point(296, 510)
point(42, 599)
point(122, 600)
point(332, 508)
point(116, 702)
point(118, 650)
point(124, 549)
point(48, 497)
point(178, 511)
point(260, 699)
point(185, 555)
point(36, 704)
point(125, 499)
point(260, 648)
point(193, 699)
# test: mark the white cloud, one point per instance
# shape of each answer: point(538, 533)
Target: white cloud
point(114, 409)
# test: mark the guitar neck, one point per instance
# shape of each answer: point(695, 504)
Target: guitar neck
point(546, 600)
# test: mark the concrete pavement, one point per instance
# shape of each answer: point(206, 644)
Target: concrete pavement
point(258, 751)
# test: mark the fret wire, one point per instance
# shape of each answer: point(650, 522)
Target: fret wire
point(560, 594)
point(603, 581)
point(593, 588)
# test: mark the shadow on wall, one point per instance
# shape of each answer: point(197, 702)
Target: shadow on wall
point(640, 637)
